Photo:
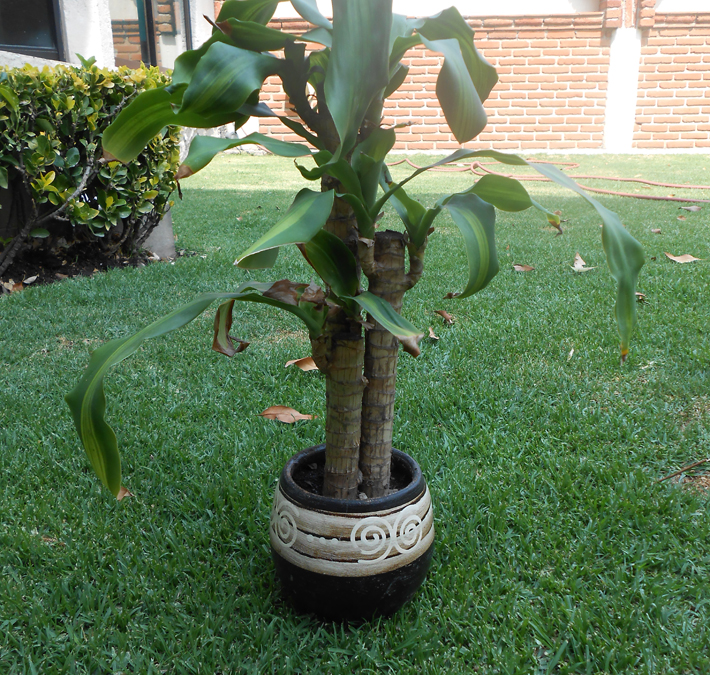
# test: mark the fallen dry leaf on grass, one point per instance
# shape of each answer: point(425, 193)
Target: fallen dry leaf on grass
point(448, 296)
point(579, 265)
point(680, 218)
point(448, 319)
point(571, 354)
point(30, 280)
point(640, 297)
point(123, 492)
point(523, 268)
point(284, 414)
point(305, 364)
point(656, 230)
point(12, 286)
point(693, 209)
point(685, 258)
point(431, 334)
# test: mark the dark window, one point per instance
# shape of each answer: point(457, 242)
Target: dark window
point(31, 27)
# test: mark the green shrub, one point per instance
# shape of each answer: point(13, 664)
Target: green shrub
point(56, 190)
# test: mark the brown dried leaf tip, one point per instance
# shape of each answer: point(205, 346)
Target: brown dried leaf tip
point(284, 414)
point(448, 296)
point(523, 268)
point(123, 493)
point(431, 334)
point(448, 319)
point(305, 364)
point(685, 258)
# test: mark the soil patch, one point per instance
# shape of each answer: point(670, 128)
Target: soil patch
point(45, 267)
point(310, 477)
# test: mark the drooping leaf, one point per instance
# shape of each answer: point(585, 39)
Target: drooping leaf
point(308, 9)
point(223, 342)
point(624, 255)
point(459, 99)
point(306, 216)
point(552, 218)
point(10, 96)
point(476, 222)
point(322, 37)
point(450, 24)
point(356, 74)
point(3, 177)
point(384, 314)
point(39, 233)
point(204, 148)
point(87, 400)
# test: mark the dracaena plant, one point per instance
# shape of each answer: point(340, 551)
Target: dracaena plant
point(353, 318)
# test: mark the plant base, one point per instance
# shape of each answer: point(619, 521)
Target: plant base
point(351, 560)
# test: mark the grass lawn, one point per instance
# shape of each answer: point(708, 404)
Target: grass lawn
point(556, 550)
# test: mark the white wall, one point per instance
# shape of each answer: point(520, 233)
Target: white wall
point(87, 28)
point(675, 6)
point(201, 29)
point(472, 7)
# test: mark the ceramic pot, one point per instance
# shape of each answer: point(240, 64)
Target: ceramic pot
point(351, 560)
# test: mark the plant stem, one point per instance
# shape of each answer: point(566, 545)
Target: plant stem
point(384, 267)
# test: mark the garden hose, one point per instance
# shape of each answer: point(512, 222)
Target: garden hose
point(479, 169)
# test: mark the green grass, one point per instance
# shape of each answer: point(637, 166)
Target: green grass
point(556, 550)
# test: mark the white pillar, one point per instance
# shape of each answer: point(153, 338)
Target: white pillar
point(620, 113)
point(87, 27)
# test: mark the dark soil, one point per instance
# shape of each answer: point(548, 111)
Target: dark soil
point(49, 267)
point(310, 477)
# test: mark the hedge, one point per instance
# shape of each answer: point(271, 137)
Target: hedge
point(57, 190)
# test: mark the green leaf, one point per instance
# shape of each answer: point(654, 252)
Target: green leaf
point(320, 35)
point(87, 400)
point(86, 63)
point(456, 92)
point(3, 177)
point(72, 157)
point(358, 68)
point(450, 24)
point(396, 80)
point(306, 216)
point(39, 233)
point(334, 262)
point(506, 194)
point(341, 170)
point(624, 256)
point(384, 314)
point(204, 148)
point(476, 222)
point(144, 117)
point(254, 36)
point(224, 79)
point(10, 96)
point(308, 9)
point(368, 161)
point(260, 11)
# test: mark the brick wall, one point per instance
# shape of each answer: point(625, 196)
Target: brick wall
point(673, 104)
point(126, 42)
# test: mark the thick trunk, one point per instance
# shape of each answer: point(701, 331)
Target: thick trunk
point(388, 280)
point(339, 354)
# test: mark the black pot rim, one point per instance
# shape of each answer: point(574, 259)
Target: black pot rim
point(309, 500)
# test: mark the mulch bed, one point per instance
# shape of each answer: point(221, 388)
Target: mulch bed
point(39, 268)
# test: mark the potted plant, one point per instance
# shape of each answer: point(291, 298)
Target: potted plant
point(351, 527)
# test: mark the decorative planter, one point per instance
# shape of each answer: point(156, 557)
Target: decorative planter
point(343, 559)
